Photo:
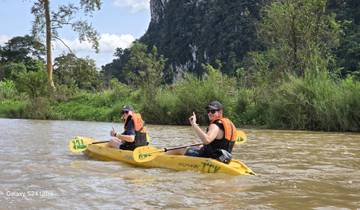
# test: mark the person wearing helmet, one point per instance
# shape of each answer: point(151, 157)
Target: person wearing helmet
point(134, 134)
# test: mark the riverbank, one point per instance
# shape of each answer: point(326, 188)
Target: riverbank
point(309, 103)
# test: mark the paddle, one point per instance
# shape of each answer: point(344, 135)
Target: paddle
point(79, 144)
point(148, 153)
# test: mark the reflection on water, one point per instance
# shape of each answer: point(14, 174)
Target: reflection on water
point(296, 170)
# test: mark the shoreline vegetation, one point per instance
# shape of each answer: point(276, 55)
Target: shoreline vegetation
point(301, 71)
point(310, 103)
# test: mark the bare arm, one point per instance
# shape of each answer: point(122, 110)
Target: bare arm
point(208, 137)
point(127, 138)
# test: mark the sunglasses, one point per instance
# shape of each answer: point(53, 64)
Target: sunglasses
point(212, 111)
point(124, 112)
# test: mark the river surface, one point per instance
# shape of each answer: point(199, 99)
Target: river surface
point(295, 170)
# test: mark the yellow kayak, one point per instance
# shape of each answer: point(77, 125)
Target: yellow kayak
point(101, 151)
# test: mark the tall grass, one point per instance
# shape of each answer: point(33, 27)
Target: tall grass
point(191, 94)
point(315, 102)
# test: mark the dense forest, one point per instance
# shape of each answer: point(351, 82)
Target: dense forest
point(224, 32)
point(273, 63)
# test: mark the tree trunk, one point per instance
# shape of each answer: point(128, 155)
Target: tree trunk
point(48, 44)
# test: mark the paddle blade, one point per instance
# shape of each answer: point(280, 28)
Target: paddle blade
point(79, 144)
point(145, 153)
point(240, 137)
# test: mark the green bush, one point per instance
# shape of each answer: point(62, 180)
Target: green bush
point(163, 109)
point(177, 102)
point(248, 110)
point(12, 108)
point(7, 89)
point(349, 104)
point(119, 90)
point(10, 70)
point(39, 108)
point(315, 102)
point(85, 106)
point(33, 83)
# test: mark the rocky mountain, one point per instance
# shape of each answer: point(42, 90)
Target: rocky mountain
point(192, 32)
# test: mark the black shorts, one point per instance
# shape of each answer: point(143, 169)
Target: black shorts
point(220, 154)
point(127, 146)
point(197, 152)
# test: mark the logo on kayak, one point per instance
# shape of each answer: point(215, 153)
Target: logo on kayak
point(78, 143)
point(208, 167)
point(143, 156)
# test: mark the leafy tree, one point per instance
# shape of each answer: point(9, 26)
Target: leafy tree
point(21, 50)
point(145, 69)
point(11, 70)
point(81, 72)
point(48, 22)
point(33, 83)
point(115, 69)
point(299, 35)
point(348, 53)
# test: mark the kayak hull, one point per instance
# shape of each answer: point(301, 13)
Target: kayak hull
point(162, 160)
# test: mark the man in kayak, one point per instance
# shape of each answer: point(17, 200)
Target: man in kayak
point(134, 134)
point(218, 140)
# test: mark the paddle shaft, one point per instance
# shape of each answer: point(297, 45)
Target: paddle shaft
point(99, 142)
point(192, 145)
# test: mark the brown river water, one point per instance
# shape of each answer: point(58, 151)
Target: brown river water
point(295, 170)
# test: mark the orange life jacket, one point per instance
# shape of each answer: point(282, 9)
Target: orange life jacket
point(140, 132)
point(229, 128)
point(138, 122)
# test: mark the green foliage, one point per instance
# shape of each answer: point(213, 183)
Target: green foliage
point(145, 70)
point(12, 103)
point(10, 70)
point(85, 106)
point(119, 90)
point(177, 102)
point(285, 74)
point(348, 53)
point(48, 22)
point(299, 35)
point(144, 67)
point(64, 92)
point(115, 69)
point(19, 54)
point(250, 108)
point(195, 32)
point(7, 89)
point(65, 15)
point(33, 83)
point(76, 72)
point(22, 49)
point(12, 108)
point(349, 105)
point(39, 108)
point(315, 103)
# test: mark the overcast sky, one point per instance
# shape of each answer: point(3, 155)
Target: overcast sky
point(119, 23)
